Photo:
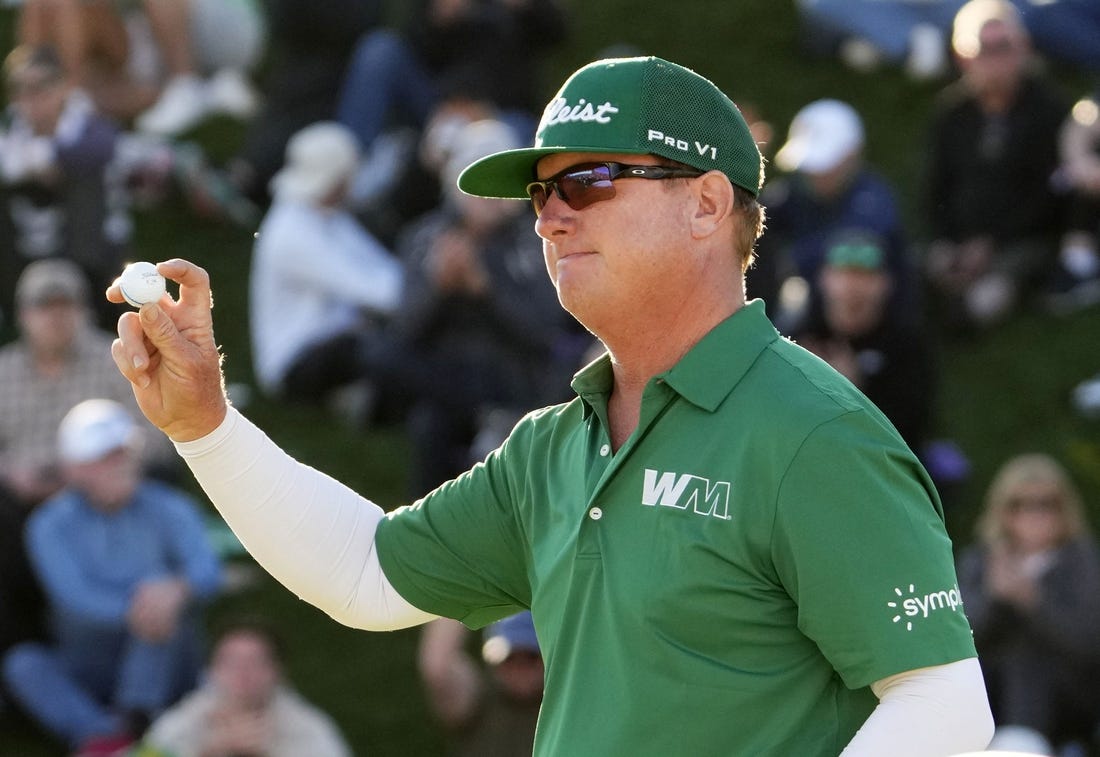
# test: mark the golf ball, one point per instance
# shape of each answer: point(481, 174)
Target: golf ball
point(140, 283)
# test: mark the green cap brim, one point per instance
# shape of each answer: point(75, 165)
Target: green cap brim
point(507, 174)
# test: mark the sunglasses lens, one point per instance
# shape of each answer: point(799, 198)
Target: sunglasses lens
point(581, 188)
point(537, 193)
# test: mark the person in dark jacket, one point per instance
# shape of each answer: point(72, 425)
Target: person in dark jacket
point(852, 327)
point(1031, 588)
point(990, 205)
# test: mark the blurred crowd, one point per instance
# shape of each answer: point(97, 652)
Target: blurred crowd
point(381, 295)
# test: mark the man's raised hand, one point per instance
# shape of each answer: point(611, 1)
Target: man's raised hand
point(167, 351)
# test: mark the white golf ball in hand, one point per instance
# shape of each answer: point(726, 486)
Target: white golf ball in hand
point(140, 283)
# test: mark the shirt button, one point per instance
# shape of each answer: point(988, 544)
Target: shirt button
point(595, 513)
point(605, 450)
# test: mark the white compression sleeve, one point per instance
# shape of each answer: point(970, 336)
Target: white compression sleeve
point(927, 712)
point(312, 533)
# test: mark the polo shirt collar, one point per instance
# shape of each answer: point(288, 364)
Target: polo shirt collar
point(593, 383)
point(707, 373)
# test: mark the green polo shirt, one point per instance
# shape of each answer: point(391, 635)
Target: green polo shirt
point(729, 582)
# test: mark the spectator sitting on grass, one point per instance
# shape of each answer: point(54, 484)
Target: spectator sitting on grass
point(168, 64)
point(245, 706)
point(852, 328)
point(58, 360)
point(490, 708)
point(1079, 257)
point(830, 188)
point(1032, 590)
point(125, 565)
point(992, 212)
point(318, 277)
point(62, 196)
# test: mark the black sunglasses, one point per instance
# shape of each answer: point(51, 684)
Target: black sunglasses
point(581, 185)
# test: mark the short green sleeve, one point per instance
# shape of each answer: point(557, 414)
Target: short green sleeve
point(460, 551)
point(861, 546)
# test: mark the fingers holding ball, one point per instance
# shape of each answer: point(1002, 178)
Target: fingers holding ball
point(141, 283)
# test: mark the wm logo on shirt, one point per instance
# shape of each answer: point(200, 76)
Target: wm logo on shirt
point(683, 491)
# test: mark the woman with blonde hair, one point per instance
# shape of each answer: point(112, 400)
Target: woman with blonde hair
point(1031, 589)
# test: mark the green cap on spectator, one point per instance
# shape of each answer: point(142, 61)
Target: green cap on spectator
point(856, 252)
point(634, 106)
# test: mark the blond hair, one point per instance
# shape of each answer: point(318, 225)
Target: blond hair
point(752, 219)
point(1020, 471)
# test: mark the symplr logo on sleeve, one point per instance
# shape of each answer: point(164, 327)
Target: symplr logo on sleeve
point(912, 607)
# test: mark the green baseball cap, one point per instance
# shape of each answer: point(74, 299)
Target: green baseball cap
point(855, 249)
point(634, 106)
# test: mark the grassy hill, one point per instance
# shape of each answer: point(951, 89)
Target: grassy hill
point(1001, 395)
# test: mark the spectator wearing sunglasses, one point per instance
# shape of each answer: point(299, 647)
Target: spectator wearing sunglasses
point(723, 544)
point(1032, 589)
point(993, 215)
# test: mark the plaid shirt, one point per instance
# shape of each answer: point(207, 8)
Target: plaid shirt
point(32, 405)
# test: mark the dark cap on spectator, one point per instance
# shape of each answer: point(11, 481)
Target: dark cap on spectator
point(51, 280)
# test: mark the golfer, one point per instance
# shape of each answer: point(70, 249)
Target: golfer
point(727, 550)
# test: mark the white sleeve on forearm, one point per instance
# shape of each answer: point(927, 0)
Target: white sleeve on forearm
point(312, 533)
point(927, 712)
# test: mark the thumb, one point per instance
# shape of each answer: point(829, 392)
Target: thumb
point(158, 327)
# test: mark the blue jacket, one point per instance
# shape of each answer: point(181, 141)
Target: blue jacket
point(90, 562)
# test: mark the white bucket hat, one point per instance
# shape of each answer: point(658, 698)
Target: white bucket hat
point(822, 134)
point(318, 158)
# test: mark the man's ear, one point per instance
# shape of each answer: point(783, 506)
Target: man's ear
point(714, 203)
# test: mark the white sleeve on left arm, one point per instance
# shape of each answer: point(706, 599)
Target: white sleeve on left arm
point(312, 533)
point(942, 710)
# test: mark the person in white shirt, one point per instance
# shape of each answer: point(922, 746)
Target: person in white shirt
point(318, 275)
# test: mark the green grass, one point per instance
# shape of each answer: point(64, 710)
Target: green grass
point(1004, 394)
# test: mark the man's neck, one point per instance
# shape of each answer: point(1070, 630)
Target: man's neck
point(646, 351)
point(624, 406)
